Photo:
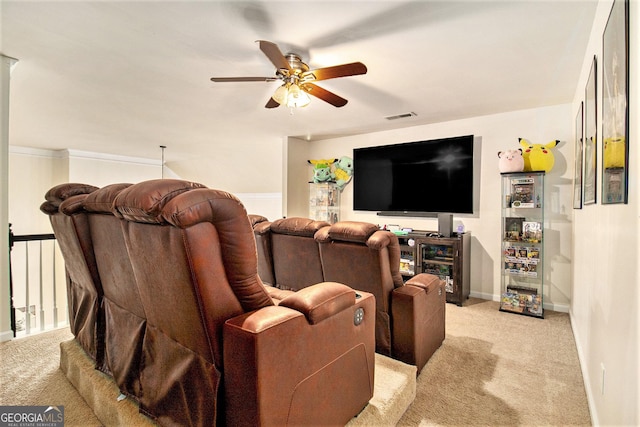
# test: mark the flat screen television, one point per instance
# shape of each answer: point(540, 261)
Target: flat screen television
point(426, 177)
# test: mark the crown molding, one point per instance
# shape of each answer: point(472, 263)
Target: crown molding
point(79, 154)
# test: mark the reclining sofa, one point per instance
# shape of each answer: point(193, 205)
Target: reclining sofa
point(192, 333)
point(410, 317)
point(84, 289)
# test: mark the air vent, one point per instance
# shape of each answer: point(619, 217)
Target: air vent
point(401, 116)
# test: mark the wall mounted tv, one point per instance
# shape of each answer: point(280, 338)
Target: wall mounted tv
point(422, 177)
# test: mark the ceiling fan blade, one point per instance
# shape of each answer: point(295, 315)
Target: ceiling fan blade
point(272, 103)
point(272, 51)
point(344, 70)
point(325, 95)
point(242, 79)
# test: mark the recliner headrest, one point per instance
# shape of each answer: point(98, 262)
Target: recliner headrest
point(257, 219)
point(237, 243)
point(101, 200)
point(73, 204)
point(352, 231)
point(297, 226)
point(143, 202)
point(64, 191)
point(60, 193)
point(262, 228)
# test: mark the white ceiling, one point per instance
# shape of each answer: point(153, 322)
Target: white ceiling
point(125, 77)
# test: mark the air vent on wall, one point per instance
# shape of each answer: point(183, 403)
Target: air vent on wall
point(401, 116)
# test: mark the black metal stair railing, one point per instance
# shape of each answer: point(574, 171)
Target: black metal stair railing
point(34, 313)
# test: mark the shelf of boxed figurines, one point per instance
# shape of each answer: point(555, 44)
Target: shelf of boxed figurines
point(524, 300)
point(521, 259)
point(522, 278)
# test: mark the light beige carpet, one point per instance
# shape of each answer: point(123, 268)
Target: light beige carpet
point(493, 369)
point(30, 375)
point(499, 368)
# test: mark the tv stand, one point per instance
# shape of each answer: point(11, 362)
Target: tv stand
point(446, 257)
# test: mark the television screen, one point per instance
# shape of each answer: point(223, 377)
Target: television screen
point(434, 176)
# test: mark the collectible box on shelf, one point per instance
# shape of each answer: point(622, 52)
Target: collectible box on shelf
point(513, 228)
point(438, 252)
point(406, 266)
point(532, 231)
point(523, 194)
point(521, 299)
point(522, 261)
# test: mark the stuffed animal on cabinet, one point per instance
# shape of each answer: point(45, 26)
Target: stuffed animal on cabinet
point(510, 161)
point(343, 171)
point(538, 157)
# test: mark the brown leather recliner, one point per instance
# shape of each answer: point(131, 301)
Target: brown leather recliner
point(410, 318)
point(262, 231)
point(295, 253)
point(217, 350)
point(84, 290)
point(125, 319)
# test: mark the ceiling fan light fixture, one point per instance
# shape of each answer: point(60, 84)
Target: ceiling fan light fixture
point(297, 97)
point(298, 81)
point(291, 95)
point(281, 94)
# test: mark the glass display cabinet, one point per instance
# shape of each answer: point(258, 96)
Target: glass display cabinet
point(324, 202)
point(522, 258)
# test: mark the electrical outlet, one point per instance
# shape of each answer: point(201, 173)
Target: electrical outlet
point(602, 379)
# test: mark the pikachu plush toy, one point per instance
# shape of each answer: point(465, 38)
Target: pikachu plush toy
point(538, 157)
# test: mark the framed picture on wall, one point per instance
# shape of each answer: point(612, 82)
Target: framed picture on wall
point(590, 138)
point(615, 105)
point(577, 169)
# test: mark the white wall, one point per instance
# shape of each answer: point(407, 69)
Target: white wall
point(240, 167)
point(265, 204)
point(32, 172)
point(606, 299)
point(494, 133)
point(101, 169)
point(5, 314)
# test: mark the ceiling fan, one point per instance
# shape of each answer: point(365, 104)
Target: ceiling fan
point(298, 80)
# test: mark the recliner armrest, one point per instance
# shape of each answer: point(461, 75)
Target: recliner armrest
point(323, 373)
point(429, 282)
point(418, 311)
point(318, 302)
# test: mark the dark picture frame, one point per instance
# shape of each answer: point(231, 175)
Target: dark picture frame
point(578, 148)
point(589, 176)
point(615, 105)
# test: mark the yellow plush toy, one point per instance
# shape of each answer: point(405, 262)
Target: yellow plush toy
point(538, 157)
point(614, 151)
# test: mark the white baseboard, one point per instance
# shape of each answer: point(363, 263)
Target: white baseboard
point(562, 308)
point(482, 295)
point(6, 336)
point(585, 375)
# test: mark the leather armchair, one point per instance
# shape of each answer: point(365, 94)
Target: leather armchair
point(295, 253)
point(409, 317)
point(217, 350)
point(84, 290)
